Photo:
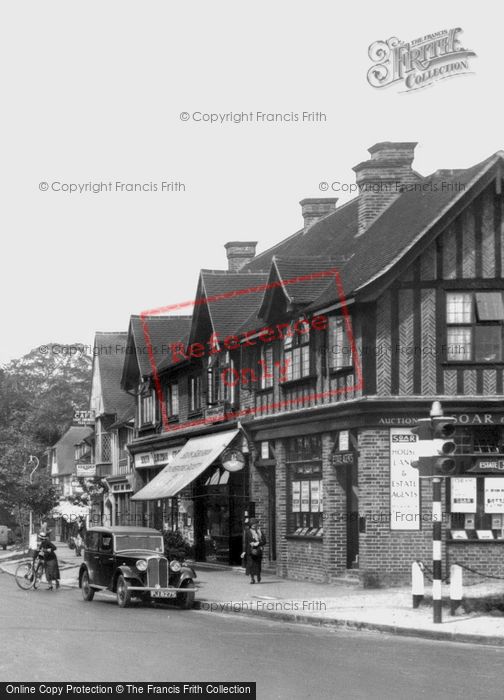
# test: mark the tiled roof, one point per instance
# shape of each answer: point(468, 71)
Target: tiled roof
point(111, 348)
point(125, 417)
point(404, 223)
point(383, 244)
point(232, 297)
point(163, 331)
point(65, 447)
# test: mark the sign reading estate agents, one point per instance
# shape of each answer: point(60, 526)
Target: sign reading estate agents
point(404, 481)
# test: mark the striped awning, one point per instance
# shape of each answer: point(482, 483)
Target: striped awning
point(192, 460)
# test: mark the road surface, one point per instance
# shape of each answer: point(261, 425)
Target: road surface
point(49, 636)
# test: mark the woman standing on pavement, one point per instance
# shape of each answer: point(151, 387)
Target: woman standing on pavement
point(50, 560)
point(254, 543)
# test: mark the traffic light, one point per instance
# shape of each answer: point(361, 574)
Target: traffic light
point(444, 445)
point(435, 447)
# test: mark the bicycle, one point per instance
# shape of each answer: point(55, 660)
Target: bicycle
point(29, 574)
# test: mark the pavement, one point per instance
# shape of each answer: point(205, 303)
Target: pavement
point(226, 590)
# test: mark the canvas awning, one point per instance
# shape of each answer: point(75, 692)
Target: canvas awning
point(192, 460)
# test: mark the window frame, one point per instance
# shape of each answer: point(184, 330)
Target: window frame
point(171, 414)
point(195, 393)
point(470, 329)
point(297, 352)
point(303, 459)
point(336, 335)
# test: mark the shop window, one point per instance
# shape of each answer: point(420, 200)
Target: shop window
point(296, 349)
point(475, 323)
point(304, 464)
point(304, 448)
point(476, 502)
point(172, 400)
point(195, 393)
point(482, 439)
point(481, 498)
point(339, 352)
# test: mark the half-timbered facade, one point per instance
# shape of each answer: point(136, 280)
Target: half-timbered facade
point(323, 352)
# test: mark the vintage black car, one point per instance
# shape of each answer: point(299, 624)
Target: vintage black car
point(130, 562)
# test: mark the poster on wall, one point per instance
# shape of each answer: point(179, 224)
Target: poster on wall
point(315, 496)
point(404, 481)
point(463, 495)
point(305, 496)
point(296, 496)
point(494, 494)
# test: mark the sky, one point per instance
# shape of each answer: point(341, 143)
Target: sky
point(94, 93)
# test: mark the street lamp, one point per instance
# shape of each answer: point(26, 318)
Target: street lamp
point(32, 460)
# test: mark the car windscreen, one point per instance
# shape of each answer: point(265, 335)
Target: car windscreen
point(153, 543)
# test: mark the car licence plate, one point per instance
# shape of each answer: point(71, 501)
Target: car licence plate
point(163, 594)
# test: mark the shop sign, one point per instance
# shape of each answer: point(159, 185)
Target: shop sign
point(463, 495)
point(85, 469)
point(233, 460)
point(215, 413)
point(344, 440)
point(487, 464)
point(339, 459)
point(144, 459)
point(120, 488)
point(404, 481)
point(494, 495)
point(461, 419)
point(84, 417)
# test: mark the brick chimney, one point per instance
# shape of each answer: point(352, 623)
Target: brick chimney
point(314, 209)
point(239, 253)
point(382, 177)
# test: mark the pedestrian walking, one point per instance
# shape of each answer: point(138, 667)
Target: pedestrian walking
point(78, 542)
point(47, 548)
point(254, 541)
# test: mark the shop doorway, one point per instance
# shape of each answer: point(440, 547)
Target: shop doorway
point(352, 504)
point(219, 504)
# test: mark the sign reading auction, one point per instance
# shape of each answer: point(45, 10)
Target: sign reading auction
point(404, 481)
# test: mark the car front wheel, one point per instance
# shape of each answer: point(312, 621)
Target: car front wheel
point(123, 592)
point(87, 591)
point(185, 601)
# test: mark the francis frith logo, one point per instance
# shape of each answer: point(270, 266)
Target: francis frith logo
point(418, 63)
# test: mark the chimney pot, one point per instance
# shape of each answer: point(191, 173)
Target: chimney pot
point(314, 209)
point(239, 253)
point(381, 179)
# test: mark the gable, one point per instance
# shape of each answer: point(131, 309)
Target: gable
point(470, 247)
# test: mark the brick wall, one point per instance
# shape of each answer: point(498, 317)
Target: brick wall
point(486, 557)
point(390, 552)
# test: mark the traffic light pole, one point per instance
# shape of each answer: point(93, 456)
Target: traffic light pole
point(436, 549)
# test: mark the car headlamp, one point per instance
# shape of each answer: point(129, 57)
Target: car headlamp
point(141, 565)
point(175, 565)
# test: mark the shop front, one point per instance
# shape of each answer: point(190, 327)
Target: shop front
point(202, 493)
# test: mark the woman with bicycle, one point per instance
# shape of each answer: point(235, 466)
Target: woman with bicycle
point(47, 549)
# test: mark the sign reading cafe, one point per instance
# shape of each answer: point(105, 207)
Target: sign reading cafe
point(420, 62)
point(404, 481)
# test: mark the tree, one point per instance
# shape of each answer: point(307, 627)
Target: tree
point(38, 395)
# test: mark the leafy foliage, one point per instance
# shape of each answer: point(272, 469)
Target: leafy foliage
point(38, 395)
